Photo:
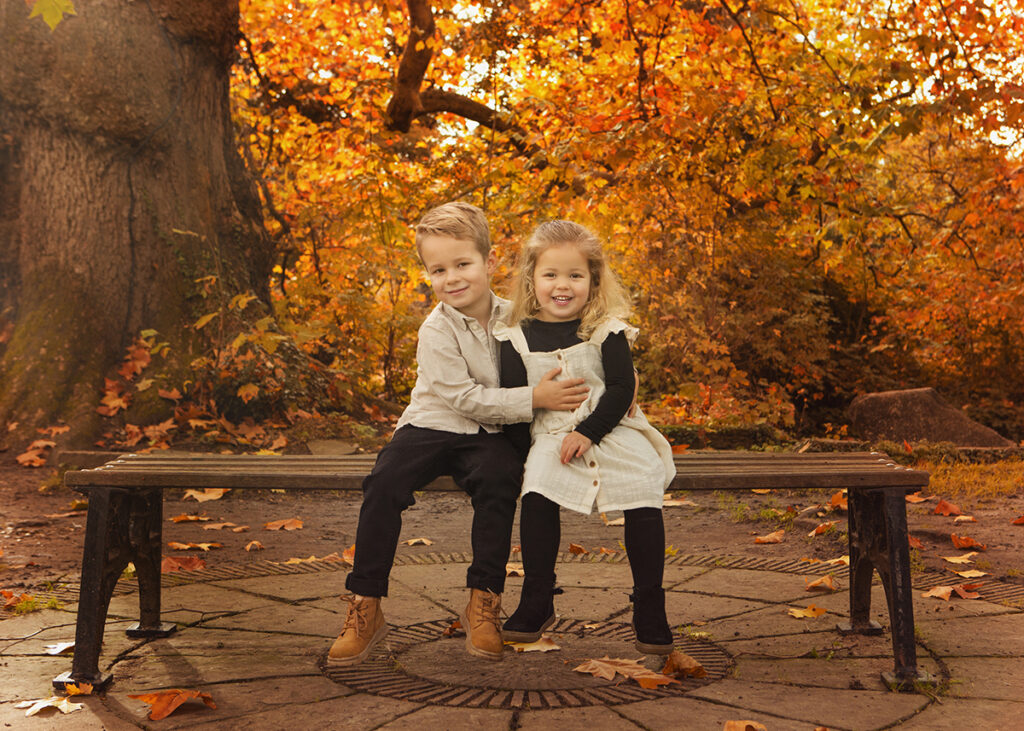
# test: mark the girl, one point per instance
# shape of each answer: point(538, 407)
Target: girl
point(568, 312)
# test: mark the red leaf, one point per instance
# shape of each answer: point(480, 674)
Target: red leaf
point(947, 509)
point(966, 542)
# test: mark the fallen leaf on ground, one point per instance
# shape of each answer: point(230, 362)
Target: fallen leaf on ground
point(1018, 521)
point(517, 548)
point(209, 493)
point(577, 550)
point(810, 611)
point(680, 665)
point(671, 502)
point(418, 542)
point(165, 702)
point(330, 558)
point(839, 561)
point(966, 591)
point(822, 527)
point(253, 546)
point(240, 529)
point(825, 583)
point(606, 551)
point(349, 554)
point(544, 644)
point(69, 514)
point(946, 508)
point(78, 689)
point(760, 491)
point(514, 569)
point(966, 542)
point(285, 524)
point(914, 542)
point(60, 702)
point(455, 628)
point(839, 501)
point(617, 521)
point(671, 550)
point(939, 592)
point(744, 726)
point(917, 498)
point(217, 526)
point(775, 537)
point(12, 599)
point(679, 448)
point(810, 560)
point(971, 574)
point(57, 648)
point(607, 667)
point(965, 558)
point(79, 504)
point(170, 564)
point(175, 545)
point(965, 519)
point(185, 518)
point(31, 458)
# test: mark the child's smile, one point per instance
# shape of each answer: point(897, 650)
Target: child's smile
point(561, 280)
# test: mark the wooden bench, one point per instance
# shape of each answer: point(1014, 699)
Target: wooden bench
point(124, 524)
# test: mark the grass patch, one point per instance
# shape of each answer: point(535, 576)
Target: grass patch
point(975, 481)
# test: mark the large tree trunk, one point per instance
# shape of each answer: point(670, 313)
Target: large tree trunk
point(120, 186)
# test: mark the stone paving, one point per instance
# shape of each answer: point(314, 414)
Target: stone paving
point(255, 638)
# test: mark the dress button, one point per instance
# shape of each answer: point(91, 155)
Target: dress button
point(595, 483)
point(593, 464)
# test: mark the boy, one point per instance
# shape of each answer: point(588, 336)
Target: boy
point(451, 427)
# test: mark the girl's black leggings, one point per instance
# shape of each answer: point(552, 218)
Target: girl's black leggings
point(540, 532)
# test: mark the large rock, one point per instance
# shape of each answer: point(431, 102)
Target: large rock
point(914, 415)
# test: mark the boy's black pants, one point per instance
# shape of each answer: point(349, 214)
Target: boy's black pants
point(484, 465)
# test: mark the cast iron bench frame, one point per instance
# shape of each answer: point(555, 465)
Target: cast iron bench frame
point(124, 524)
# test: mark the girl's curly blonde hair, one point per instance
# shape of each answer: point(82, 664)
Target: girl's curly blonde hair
point(607, 298)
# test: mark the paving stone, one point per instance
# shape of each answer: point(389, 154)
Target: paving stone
point(239, 702)
point(967, 714)
point(824, 644)
point(452, 719)
point(1000, 678)
point(575, 719)
point(842, 673)
point(401, 608)
point(24, 678)
point(686, 607)
point(820, 706)
point(431, 577)
point(115, 641)
point(932, 608)
point(291, 587)
point(199, 598)
point(772, 586)
point(196, 656)
point(587, 604)
point(769, 621)
point(696, 715)
point(998, 636)
point(351, 712)
point(295, 618)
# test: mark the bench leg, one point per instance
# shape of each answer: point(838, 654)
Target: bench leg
point(121, 528)
point(147, 538)
point(863, 529)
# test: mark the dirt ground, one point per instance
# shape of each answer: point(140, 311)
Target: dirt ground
point(41, 537)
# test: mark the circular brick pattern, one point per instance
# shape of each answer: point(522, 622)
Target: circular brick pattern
point(419, 663)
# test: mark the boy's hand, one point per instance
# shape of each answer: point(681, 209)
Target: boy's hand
point(559, 395)
point(574, 445)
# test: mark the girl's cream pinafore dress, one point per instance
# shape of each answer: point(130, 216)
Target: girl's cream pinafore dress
point(629, 468)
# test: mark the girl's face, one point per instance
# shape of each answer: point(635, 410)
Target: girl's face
point(561, 279)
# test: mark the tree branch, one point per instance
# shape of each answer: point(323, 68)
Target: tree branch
point(406, 104)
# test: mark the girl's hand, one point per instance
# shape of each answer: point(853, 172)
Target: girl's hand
point(574, 445)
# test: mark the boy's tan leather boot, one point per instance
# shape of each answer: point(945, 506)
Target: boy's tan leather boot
point(364, 628)
point(482, 625)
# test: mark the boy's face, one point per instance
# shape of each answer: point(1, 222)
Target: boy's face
point(460, 276)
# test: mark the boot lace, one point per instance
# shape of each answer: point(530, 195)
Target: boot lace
point(490, 607)
point(358, 615)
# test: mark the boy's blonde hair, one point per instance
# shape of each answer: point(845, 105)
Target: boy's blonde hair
point(458, 220)
point(607, 298)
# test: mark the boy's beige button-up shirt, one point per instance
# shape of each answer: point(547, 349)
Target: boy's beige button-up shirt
point(457, 388)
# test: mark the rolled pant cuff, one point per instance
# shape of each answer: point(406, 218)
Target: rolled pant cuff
point(366, 587)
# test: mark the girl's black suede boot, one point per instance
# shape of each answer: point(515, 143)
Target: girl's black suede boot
point(650, 625)
point(535, 613)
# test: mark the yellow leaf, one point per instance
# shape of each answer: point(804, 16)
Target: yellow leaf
point(821, 528)
point(61, 703)
point(616, 521)
point(774, 537)
point(760, 491)
point(210, 493)
point(248, 392)
point(939, 592)
point(743, 726)
point(205, 320)
point(544, 644)
point(808, 612)
point(971, 574)
point(253, 546)
point(825, 583)
point(418, 542)
point(514, 569)
point(284, 524)
point(965, 558)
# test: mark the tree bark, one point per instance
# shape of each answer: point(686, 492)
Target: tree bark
point(120, 186)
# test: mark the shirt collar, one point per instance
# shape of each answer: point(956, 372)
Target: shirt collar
point(498, 306)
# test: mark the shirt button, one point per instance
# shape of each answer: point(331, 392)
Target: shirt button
point(595, 483)
point(593, 464)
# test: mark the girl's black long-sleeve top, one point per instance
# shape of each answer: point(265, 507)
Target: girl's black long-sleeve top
point(619, 378)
